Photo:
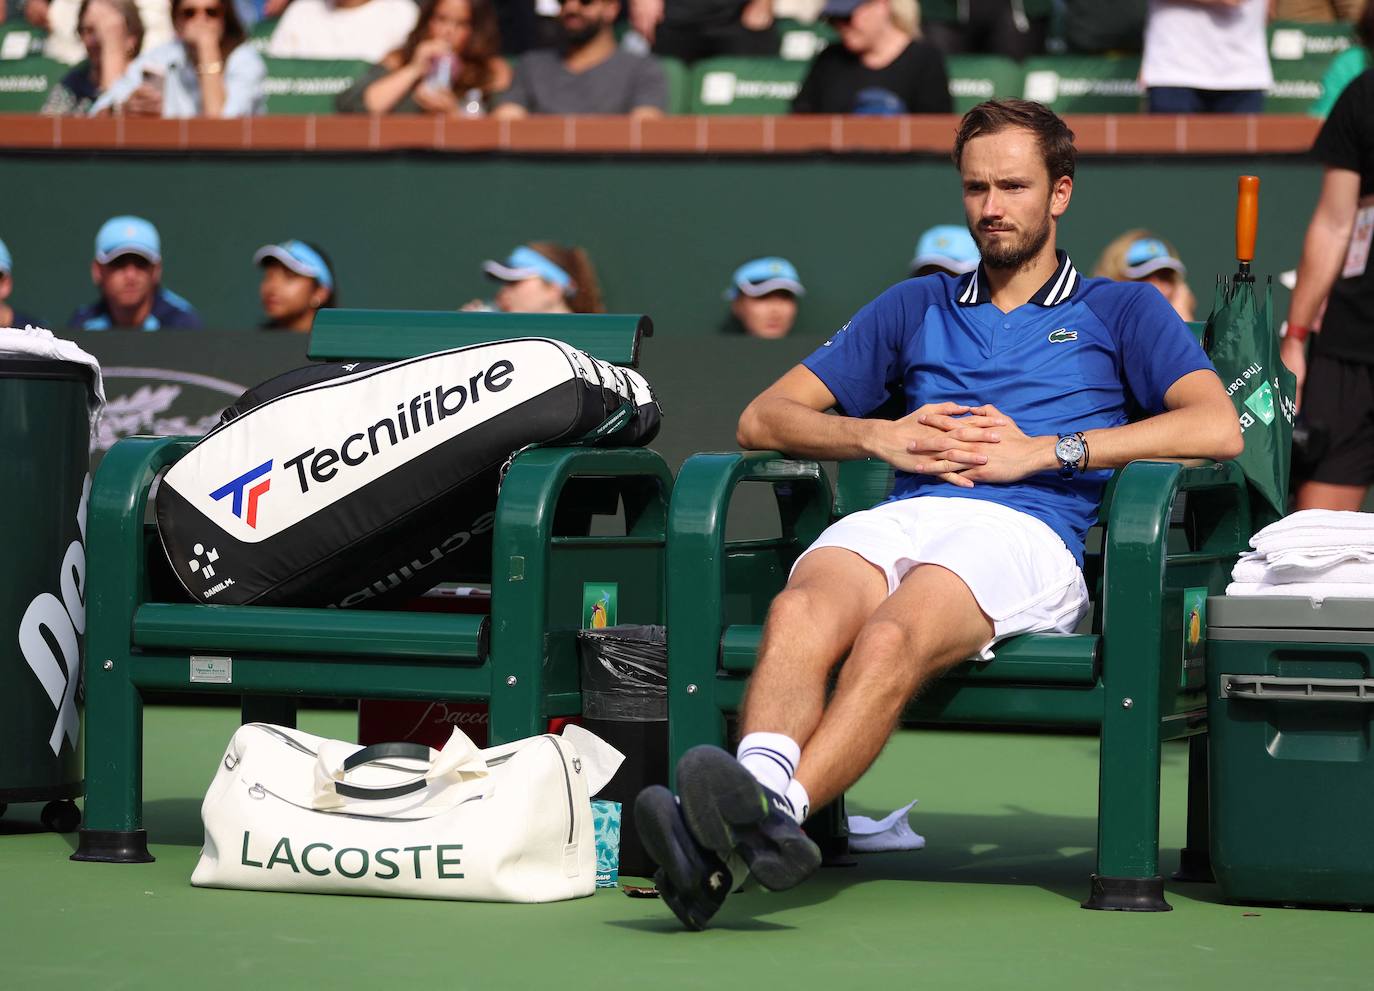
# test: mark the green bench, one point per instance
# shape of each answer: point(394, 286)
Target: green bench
point(1168, 535)
point(143, 636)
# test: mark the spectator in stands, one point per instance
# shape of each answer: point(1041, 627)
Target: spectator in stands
point(207, 72)
point(297, 281)
point(1139, 256)
point(1346, 66)
point(1014, 28)
point(543, 277)
point(112, 32)
point(763, 297)
point(252, 12)
point(947, 248)
point(61, 19)
point(1206, 56)
point(343, 29)
point(696, 29)
point(449, 64)
point(879, 65)
point(590, 74)
point(1092, 27)
point(9, 316)
point(128, 271)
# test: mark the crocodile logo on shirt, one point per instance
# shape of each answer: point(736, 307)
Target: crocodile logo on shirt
point(1063, 334)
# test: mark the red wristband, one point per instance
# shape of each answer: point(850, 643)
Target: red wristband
point(1297, 331)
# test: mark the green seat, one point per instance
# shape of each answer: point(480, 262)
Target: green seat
point(801, 42)
point(679, 81)
point(25, 82)
point(1168, 535)
point(1085, 84)
point(736, 85)
point(1292, 41)
point(308, 86)
point(143, 636)
point(1297, 84)
point(975, 78)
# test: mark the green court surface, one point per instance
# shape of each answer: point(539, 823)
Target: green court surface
point(992, 902)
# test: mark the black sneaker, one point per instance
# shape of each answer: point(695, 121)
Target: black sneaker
point(693, 881)
point(728, 811)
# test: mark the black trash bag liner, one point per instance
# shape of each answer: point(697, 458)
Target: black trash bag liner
point(370, 484)
point(624, 673)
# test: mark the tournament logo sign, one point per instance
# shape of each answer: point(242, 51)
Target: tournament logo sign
point(167, 402)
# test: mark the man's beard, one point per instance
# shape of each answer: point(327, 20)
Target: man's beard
point(573, 40)
point(1012, 254)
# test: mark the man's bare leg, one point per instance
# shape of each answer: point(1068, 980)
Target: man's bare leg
point(931, 623)
point(811, 625)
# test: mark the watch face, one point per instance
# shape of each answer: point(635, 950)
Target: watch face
point(1069, 449)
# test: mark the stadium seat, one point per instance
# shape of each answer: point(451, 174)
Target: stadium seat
point(25, 76)
point(308, 86)
point(143, 636)
point(975, 78)
point(679, 85)
point(800, 42)
point(736, 85)
point(1084, 84)
point(1292, 41)
point(1131, 674)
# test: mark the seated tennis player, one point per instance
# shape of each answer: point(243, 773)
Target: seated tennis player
point(1025, 385)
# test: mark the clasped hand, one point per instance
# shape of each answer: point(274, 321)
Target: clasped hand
point(962, 445)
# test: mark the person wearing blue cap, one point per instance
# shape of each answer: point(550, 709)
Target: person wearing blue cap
point(1139, 256)
point(879, 65)
point(128, 271)
point(9, 316)
point(297, 281)
point(543, 277)
point(945, 248)
point(763, 298)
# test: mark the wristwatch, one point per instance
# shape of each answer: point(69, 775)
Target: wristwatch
point(1070, 451)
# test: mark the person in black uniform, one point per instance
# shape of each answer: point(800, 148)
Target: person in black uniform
point(1336, 375)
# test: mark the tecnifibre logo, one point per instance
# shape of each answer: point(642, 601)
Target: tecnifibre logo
point(246, 509)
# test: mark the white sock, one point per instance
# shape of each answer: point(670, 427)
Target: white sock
point(771, 758)
point(799, 800)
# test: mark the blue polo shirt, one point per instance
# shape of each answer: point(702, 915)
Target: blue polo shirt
point(169, 311)
point(1082, 354)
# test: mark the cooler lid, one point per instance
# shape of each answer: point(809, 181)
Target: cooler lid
point(1281, 612)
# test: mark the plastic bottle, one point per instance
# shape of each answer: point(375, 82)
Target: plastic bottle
point(440, 75)
point(472, 104)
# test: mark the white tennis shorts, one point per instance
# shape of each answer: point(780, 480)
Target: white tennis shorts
point(1020, 572)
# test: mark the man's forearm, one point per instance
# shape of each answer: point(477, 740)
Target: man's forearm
point(775, 423)
point(1211, 431)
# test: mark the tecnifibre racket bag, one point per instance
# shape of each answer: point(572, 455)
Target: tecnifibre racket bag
point(358, 484)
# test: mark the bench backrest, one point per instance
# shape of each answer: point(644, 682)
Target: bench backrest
point(395, 334)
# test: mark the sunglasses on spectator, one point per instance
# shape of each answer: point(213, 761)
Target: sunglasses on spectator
point(191, 13)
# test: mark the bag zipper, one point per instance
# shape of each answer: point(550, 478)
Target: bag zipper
point(295, 744)
point(567, 780)
point(354, 815)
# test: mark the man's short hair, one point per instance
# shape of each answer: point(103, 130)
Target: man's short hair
point(1053, 135)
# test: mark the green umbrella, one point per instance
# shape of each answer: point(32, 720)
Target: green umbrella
point(1245, 349)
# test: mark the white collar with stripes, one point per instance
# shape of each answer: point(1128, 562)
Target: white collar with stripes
point(1059, 288)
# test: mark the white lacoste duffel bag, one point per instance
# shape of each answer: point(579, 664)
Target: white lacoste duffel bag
point(288, 811)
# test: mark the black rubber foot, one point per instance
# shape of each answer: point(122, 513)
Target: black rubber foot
point(1194, 866)
point(1128, 894)
point(113, 846)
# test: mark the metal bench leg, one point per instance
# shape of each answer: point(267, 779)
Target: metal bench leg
point(829, 827)
point(279, 710)
point(1128, 877)
point(112, 830)
point(1195, 859)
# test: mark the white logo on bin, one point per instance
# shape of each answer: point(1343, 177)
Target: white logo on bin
point(49, 630)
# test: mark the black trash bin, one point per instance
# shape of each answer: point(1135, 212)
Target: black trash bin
point(625, 702)
point(45, 437)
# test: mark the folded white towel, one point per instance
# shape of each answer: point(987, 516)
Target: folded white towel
point(1342, 572)
point(1325, 519)
point(1311, 590)
point(1316, 559)
point(1315, 541)
point(36, 342)
point(892, 832)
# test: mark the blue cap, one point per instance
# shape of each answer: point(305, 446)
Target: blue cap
point(6, 262)
point(127, 236)
point(764, 275)
point(300, 258)
point(526, 263)
point(1149, 255)
point(840, 8)
point(947, 246)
